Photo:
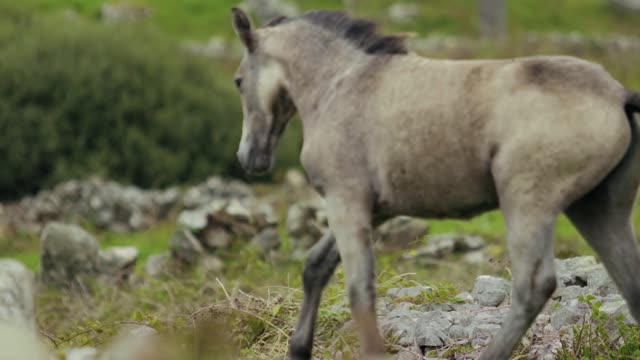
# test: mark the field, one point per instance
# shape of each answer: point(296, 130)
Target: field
point(249, 309)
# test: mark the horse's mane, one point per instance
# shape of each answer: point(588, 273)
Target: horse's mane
point(362, 33)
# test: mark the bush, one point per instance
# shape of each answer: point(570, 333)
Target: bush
point(119, 102)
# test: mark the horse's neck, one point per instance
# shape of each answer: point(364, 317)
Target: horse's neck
point(313, 75)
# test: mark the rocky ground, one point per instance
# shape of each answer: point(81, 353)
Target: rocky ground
point(432, 321)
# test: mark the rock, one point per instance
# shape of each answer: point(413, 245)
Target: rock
point(267, 240)
point(19, 343)
point(463, 297)
point(466, 243)
point(106, 204)
point(263, 215)
point(572, 271)
point(140, 331)
point(615, 306)
point(295, 180)
point(216, 238)
point(118, 261)
point(116, 13)
point(130, 345)
point(403, 12)
point(238, 211)
point(157, 264)
point(212, 265)
point(441, 245)
point(266, 10)
point(400, 232)
point(84, 353)
point(476, 257)
point(215, 189)
point(185, 247)
point(216, 47)
point(413, 353)
point(569, 313)
point(632, 5)
point(68, 254)
point(411, 292)
point(16, 294)
point(306, 223)
point(490, 290)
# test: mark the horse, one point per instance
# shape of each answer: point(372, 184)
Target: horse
point(387, 132)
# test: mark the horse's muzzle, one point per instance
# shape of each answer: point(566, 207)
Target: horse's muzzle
point(255, 162)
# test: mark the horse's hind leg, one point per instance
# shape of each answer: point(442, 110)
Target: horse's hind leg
point(318, 269)
point(530, 242)
point(603, 217)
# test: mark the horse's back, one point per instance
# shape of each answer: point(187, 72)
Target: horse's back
point(440, 127)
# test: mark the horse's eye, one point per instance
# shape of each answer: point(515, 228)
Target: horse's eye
point(238, 82)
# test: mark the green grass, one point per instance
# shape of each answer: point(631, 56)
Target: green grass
point(202, 18)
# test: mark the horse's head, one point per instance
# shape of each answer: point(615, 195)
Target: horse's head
point(266, 104)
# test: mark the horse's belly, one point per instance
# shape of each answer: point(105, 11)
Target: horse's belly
point(437, 190)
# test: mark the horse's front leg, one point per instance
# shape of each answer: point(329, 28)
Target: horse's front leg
point(320, 265)
point(350, 221)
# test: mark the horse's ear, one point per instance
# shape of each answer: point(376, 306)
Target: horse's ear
point(244, 28)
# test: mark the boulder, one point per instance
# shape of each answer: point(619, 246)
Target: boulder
point(16, 294)
point(157, 264)
point(441, 245)
point(83, 353)
point(68, 253)
point(117, 13)
point(266, 10)
point(403, 12)
point(18, 343)
point(185, 248)
point(491, 290)
point(267, 240)
point(211, 265)
point(306, 223)
point(400, 232)
point(118, 262)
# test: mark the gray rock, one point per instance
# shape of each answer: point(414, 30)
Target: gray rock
point(18, 343)
point(413, 353)
point(83, 353)
point(464, 297)
point(466, 243)
point(476, 257)
point(569, 313)
point(267, 240)
point(216, 238)
point(411, 292)
point(211, 264)
point(615, 306)
point(400, 232)
point(216, 47)
point(441, 245)
point(16, 294)
point(305, 226)
point(490, 290)
point(117, 13)
point(632, 5)
point(68, 253)
point(157, 264)
point(185, 247)
point(118, 261)
point(403, 12)
point(266, 10)
point(573, 271)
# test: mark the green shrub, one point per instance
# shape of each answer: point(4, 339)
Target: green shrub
point(120, 102)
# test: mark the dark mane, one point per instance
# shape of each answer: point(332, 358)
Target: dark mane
point(362, 33)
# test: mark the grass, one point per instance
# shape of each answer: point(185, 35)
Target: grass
point(202, 18)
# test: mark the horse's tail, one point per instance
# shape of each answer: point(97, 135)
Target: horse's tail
point(632, 102)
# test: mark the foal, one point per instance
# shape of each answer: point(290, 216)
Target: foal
point(387, 132)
